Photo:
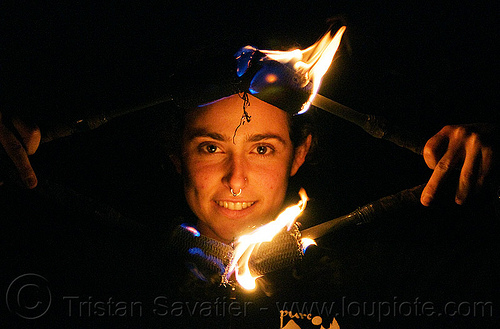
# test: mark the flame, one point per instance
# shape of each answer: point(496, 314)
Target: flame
point(245, 244)
point(306, 242)
point(312, 62)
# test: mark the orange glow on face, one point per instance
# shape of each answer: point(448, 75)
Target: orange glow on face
point(245, 244)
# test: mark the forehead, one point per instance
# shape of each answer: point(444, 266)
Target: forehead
point(224, 116)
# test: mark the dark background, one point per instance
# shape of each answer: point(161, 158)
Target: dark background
point(420, 65)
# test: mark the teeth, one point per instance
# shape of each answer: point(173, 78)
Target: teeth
point(235, 205)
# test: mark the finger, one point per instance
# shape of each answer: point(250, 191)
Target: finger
point(30, 135)
point(442, 170)
point(486, 165)
point(468, 174)
point(435, 148)
point(18, 155)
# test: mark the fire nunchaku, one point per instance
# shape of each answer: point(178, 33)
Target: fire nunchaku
point(286, 247)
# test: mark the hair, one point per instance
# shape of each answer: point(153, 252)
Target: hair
point(301, 126)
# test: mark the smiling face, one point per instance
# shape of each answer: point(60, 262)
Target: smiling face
point(256, 165)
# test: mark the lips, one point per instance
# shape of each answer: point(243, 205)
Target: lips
point(235, 205)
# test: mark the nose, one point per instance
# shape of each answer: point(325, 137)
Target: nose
point(236, 174)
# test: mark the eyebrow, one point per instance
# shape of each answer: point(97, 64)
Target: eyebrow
point(204, 133)
point(220, 137)
point(261, 137)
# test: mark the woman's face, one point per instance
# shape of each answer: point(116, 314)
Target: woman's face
point(255, 162)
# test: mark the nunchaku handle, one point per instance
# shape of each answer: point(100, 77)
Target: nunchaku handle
point(371, 213)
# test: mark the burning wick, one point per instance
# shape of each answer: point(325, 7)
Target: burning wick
point(312, 63)
point(246, 244)
point(306, 242)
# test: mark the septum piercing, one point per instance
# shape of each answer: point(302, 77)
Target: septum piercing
point(235, 194)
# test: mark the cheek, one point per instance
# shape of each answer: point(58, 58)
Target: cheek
point(198, 176)
point(275, 183)
point(274, 179)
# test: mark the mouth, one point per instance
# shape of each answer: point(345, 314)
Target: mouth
point(235, 205)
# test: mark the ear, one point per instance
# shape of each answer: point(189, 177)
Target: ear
point(176, 161)
point(300, 155)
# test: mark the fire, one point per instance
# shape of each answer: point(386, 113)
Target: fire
point(312, 62)
point(245, 245)
point(306, 242)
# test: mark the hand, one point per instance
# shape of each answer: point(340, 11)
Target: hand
point(18, 149)
point(463, 149)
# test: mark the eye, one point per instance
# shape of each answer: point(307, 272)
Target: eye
point(262, 149)
point(210, 148)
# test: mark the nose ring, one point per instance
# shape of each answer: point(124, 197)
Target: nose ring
point(235, 194)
